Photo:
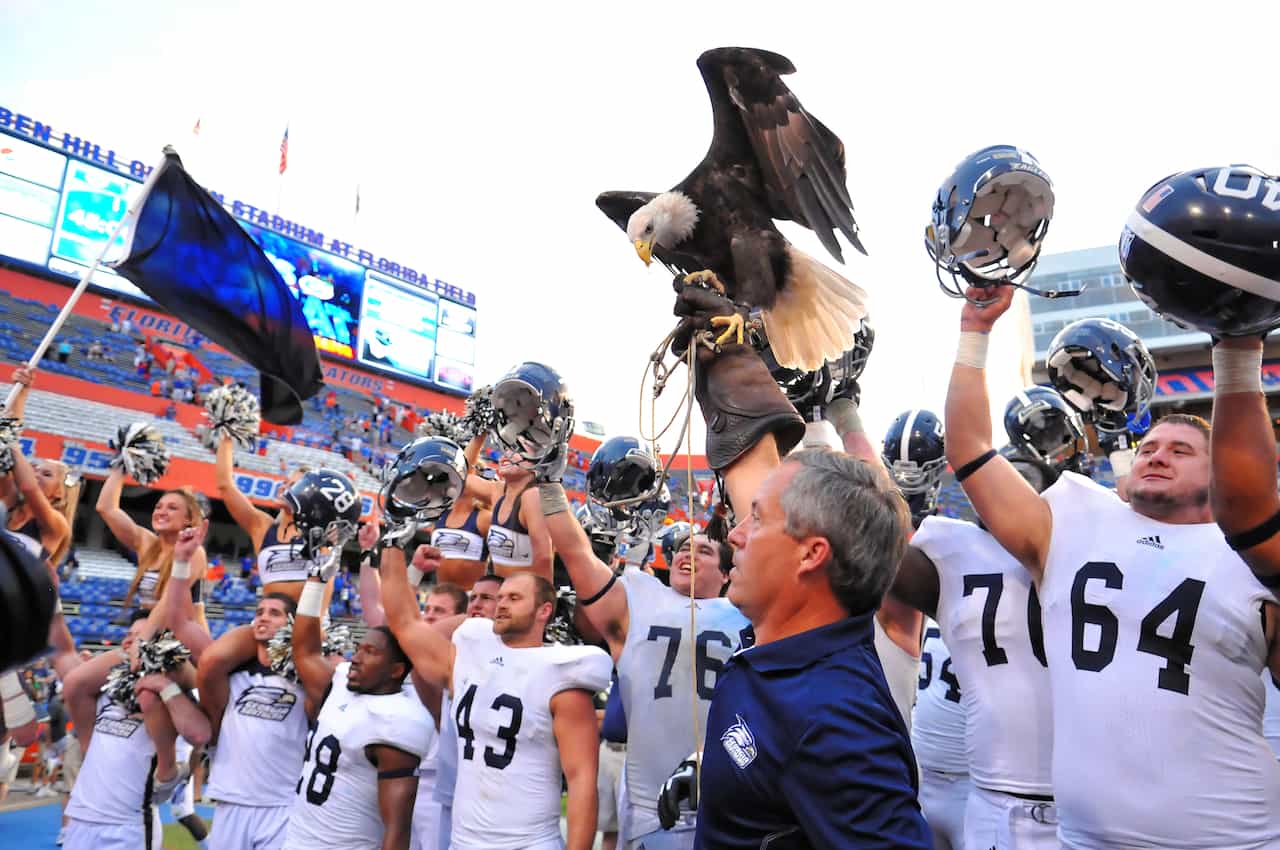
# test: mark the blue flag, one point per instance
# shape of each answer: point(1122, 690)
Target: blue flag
point(195, 260)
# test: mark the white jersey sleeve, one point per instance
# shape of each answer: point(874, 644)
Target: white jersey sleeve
point(989, 616)
point(398, 720)
point(1155, 646)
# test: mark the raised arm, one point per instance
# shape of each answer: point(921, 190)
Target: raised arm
point(1010, 508)
point(1243, 457)
point(594, 581)
point(255, 522)
point(129, 533)
point(430, 651)
point(397, 788)
point(314, 672)
point(916, 583)
point(369, 587)
point(23, 377)
point(176, 610)
point(539, 537)
point(53, 525)
point(573, 718)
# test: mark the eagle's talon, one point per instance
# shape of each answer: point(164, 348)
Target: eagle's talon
point(734, 327)
point(706, 279)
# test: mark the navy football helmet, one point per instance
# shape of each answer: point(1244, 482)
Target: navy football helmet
point(325, 508)
point(989, 221)
point(808, 392)
point(533, 410)
point(915, 451)
point(424, 480)
point(1200, 249)
point(1040, 423)
point(672, 538)
point(1040, 475)
point(622, 472)
point(1104, 370)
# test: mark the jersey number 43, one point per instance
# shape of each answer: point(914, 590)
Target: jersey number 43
point(507, 733)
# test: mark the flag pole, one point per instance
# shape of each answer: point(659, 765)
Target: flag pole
point(130, 214)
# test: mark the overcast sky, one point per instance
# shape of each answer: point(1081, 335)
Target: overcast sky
point(480, 134)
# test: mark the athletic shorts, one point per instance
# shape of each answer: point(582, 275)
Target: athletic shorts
point(1005, 822)
point(943, 798)
point(84, 835)
point(676, 839)
point(612, 757)
point(248, 827)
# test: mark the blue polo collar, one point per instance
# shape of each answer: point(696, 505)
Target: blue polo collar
point(807, 648)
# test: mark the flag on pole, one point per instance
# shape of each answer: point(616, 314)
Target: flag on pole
point(284, 150)
point(188, 253)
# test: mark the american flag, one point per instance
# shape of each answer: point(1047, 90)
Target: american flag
point(284, 150)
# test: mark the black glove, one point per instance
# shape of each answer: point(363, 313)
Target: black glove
point(681, 785)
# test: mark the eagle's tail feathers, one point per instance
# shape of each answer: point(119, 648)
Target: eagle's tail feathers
point(816, 315)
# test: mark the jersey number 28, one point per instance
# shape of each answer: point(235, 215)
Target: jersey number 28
point(327, 752)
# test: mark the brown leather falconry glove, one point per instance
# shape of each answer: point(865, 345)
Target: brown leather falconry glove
point(740, 401)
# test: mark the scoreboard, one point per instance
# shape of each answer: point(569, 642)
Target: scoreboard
point(58, 208)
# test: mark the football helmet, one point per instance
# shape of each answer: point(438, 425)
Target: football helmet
point(923, 504)
point(1104, 370)
point(325, 508)
point(1040, 423)
point(622, 472)
point(672, 538)
point(533, 411)
point(808, 392)
point(1040, 475)
point(424, 479)
point(1200, 249)
point(989, 221)
point(915, 451)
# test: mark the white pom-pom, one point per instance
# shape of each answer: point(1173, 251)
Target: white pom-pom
point(161, 653)
point(141, 451)
point(234, 412)
point(480, 417)
point(446, 424)
point(10, 431)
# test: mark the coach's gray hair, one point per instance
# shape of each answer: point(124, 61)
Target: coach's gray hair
point(855, 506)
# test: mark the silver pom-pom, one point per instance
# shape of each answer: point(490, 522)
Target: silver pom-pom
point(234, 412)
point(480, 417)
point(560, 628)
point(446, 424)
point(10, 431)
point(161, 653)
point(337, 641)
point(141, 451)
point(119, 687)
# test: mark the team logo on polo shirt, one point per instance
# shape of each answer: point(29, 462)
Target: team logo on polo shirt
point(266, 702)
point(739, 743)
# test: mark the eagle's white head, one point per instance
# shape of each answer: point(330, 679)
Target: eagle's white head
point(666, 221)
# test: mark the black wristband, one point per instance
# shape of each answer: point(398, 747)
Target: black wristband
point(373, 556)
point(398, 773)
point(595, 597)
point(1252, 537)
point(974, 465)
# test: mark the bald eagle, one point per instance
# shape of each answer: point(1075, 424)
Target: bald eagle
point(769, 159)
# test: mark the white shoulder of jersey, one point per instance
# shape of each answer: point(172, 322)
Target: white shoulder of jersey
point(584, 668)
point(340, 676)
point(397, 720)
point(473, 629)
point(640, 586)
point(940, 536)
point(1072, 486)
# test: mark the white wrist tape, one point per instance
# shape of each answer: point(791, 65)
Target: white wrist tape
point(1237, 370)
point(1121, 462)
point(415, 576)
point(57, 606)
point(170, 691)
point(181, 569)
point(972, 351)
point(311, 601)
point(18, 710)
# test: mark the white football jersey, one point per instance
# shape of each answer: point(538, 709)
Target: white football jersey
point(508, 792)
point(336, 806)
point(656, 671)
point(264, 729)
point(446, 760)
point(1271, 713)
point(989, 616)
point(114, 785)
point(901, 671)
point(1155, 645)
point(937, 733)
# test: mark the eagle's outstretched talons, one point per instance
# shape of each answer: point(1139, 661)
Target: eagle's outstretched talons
point(734, 326)
point(705, 278)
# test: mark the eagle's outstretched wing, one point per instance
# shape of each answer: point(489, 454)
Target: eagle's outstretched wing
point(620, 205)
point(800, 160)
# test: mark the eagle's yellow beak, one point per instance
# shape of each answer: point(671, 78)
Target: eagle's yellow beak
point(644, 250)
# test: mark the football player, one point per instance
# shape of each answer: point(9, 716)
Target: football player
point(523, 712)
point(1152, 628)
